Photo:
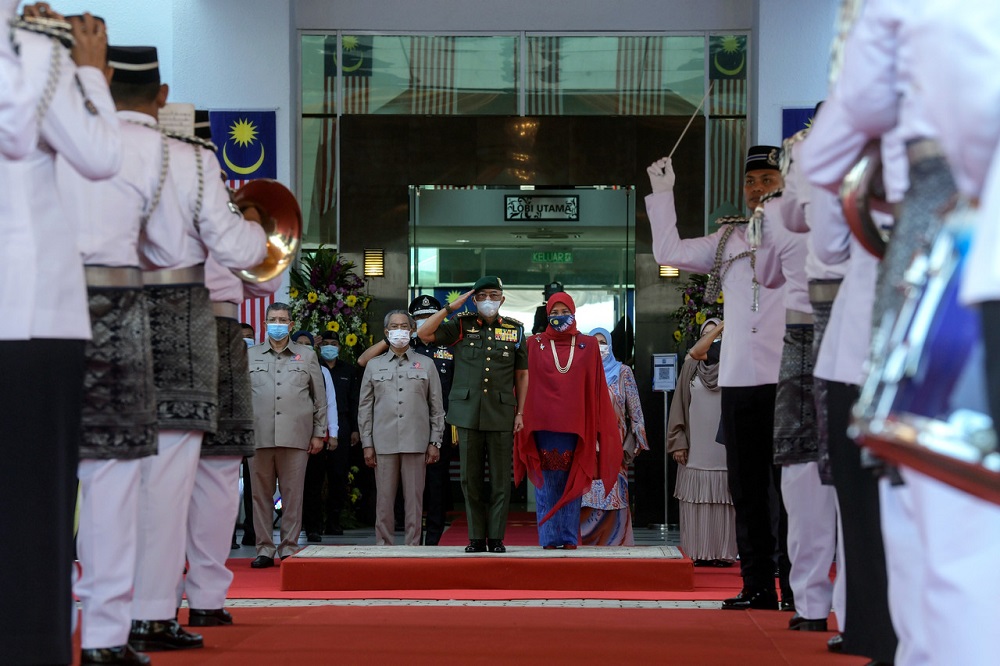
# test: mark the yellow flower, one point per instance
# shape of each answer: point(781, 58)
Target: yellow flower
point(293, 293)
point(350, 340)
point(677, 335)
point(367, 302)
point(312, 297)
point(364, 328)
point(351, 300)
point(700, 318)
point(686, 299)
point(719, 299)
point(333, 326)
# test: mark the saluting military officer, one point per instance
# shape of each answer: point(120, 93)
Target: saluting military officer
point(485, 404)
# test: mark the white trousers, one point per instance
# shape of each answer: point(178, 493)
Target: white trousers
point(164, 496)
point(961, 538)
point(812, 538)
point(214, 505)
point(106, 547)
point(905, 567)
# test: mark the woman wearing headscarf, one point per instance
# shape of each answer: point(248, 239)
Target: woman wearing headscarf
point(708, 520)
point(605, 519)
point(570, 434)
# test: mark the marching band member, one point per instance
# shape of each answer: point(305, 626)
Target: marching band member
point(214, 500)
point(754, 325)
point(202, 219)
point(45, 324)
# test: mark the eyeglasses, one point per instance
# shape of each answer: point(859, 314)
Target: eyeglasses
point(487, 296)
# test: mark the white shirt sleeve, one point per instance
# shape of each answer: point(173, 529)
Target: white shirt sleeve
point(691, 254)
point(333, 427)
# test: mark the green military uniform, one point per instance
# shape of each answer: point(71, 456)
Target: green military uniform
point(482, 405)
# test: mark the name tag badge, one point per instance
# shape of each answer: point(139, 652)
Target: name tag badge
point(474, 336)
point(506, 354)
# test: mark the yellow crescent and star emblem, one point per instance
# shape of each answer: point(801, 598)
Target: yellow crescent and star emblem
point(730, 46)
point(243, 133)
point(349, 45)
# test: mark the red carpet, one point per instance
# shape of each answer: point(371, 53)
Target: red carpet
point(522, 530)
point(448, 635)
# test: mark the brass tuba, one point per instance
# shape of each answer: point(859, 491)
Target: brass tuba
point(282, 221)
point(862, 192)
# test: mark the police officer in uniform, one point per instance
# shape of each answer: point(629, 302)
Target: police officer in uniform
point(485, 403)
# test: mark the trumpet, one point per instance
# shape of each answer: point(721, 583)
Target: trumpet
point(281, 218)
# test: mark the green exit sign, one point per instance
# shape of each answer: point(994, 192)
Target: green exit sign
point(552, 257)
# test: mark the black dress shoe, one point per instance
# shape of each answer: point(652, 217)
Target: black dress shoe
point(123, 654)
point(155, 635)
point(757, 599)
point(335, 530)
point(476, 546)
point(799, 623)
point(836, 644)
point(234, 545)
point(787, 603)
point(314, 537)
point(215, 617)
point(496, 546)
point(262, 562)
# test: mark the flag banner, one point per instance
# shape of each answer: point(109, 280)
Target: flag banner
point(639, 77)
point(247, 142)
point(794, 119)
point(727, 143)
point(356, 73)
point(728, 73)
point(541, 91)
point(432, 76)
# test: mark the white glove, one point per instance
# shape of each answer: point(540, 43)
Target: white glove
point(661, 175)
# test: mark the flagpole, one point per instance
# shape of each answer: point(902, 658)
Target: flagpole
point(691, 119)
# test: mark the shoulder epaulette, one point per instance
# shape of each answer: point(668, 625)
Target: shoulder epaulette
point(732, 219)
point(771, 195)
point(53, 28)
point(511, 320)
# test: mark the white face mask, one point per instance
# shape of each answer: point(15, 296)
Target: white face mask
point(488, 308)
point(604, 349)
point(420, 322)
point(398, 338)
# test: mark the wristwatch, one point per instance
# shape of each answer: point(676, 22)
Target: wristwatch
point(436, 445)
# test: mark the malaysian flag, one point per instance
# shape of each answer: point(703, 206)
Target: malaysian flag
point(541, 87)
point(639, 77)
point(727, 123)
point(432, 76)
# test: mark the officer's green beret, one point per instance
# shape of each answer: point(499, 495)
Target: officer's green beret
point(488, 282)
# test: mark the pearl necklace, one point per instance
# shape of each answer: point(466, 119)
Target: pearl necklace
point(555, 357)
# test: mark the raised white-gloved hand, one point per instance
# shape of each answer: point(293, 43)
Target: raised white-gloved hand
point(661, 175)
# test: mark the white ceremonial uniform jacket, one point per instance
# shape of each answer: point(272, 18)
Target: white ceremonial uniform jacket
point(18, 129)
point(752, 353)
point(781, 259)
point(108, 214)
point(192, 233)
point(963, 105)
point(796, 210)
point(40, 264)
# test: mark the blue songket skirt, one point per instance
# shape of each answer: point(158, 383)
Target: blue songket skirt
point(555, 450)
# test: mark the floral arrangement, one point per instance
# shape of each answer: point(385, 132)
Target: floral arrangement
point(327, 295)
point(695, 311)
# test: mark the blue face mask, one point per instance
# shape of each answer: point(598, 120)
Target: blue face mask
point(328, 352)
point(250, 342)
point(561, 322)
point(277, 331)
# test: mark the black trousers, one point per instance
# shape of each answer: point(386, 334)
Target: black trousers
point(332, 467)
point(249, 535)
point(990, 316)
point(437, 492)
point(869, 631)
point(40, 401)
point(754, 483)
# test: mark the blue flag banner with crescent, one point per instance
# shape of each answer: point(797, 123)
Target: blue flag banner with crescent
point(247, 142)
